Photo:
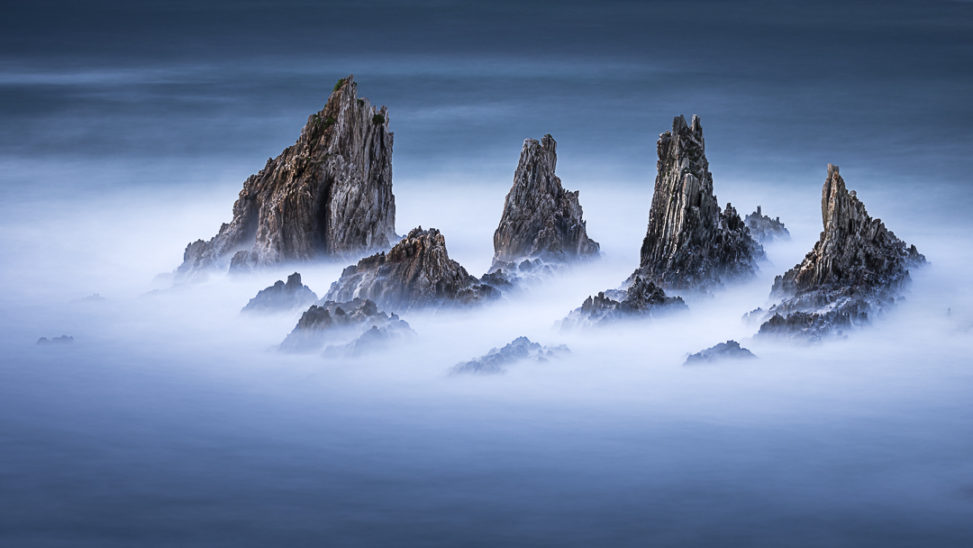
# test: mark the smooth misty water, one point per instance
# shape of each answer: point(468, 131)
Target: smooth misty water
point(171, 421)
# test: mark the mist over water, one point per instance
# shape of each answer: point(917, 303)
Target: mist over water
point(172, 419)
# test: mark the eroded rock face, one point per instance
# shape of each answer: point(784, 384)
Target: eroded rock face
point(764, 229)
point(729, 350)
point(282, 296)
point(690, 243)
point(338, 322)
point(540, 219)
point(642, 299)
point(856, 269)
point(520, 349)
point(329, 194)
point(416, 273)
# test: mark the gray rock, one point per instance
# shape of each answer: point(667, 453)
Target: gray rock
point(416, 273)
point(330, 194)
point(642, 299)
point(61, 340)
point(729, 350)
point(856, 270)
point(520, 349)
point(374, 339)
point(540, 219)
point(764, 229)
point(333, 322)
point(282, 296)
point(690, 243)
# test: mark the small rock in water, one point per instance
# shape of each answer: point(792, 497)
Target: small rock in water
point(642, 299)
point(375, 338)
point(282, 296)
point(338, 322)
point(520, 349)
point(63, 339)
point(729, 350)
point(764, 229)
point(416, 273)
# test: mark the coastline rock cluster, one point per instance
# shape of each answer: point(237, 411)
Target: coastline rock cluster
point(282, 296)
point(690, 242)
point(855, 270)
point(519, 350)
point(416, 272)
point(329, 194)
point(540, 219)
point(764, 229)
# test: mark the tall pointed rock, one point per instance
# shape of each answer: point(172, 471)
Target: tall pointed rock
point(540, 219)
point(855, 269)
point(328, 194)
point(690, 243)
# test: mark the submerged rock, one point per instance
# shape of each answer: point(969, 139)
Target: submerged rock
point(642, 299)
point(520, 349)
point(333, 322)
point(417, 272)
point(540, 219)
point(855, 270)
point(63, 339)
point(329, 194)
point(765, 229)
point(722, 351)
point(690, 243)
point(282, 296)
point(374, 339)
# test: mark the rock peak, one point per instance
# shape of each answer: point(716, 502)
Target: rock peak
point(329, 194)
point(540, 219)
point(690, 242)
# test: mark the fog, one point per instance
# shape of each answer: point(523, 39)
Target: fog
point(173, 419)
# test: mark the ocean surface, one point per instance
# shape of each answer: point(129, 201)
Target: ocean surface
point(172, 421)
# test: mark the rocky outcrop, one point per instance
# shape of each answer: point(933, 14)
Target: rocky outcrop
point(328, 194)
point(642, 299)
point(729, 350)
point(282, 296)
point(374, 339)
point(334, 322)
point(519, 350)
point(540, 219)
point(764, 229)
point(856, 269)
point(62, 339)
point(690, 243)
point(417, 272)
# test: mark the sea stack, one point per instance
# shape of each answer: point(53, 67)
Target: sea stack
point(540, 219)
point(765, 229)
point(855, 270)
point(690, 243)
point(416, 273)
point(329, 194)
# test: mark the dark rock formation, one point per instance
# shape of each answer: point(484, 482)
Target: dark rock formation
point(520, 349)
point(722, 351)
point(417, 272)
point(338, 322)
point(540, 219)
point(690, 243)
point(374, 339)
point(856, 269)
point(642, 299)
point(328, 194)
point(765, 229)
point(282, 296)
point(63, 339)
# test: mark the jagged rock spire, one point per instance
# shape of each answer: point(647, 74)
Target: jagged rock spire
point(690, 243)
point(328, 194)
point(540, 219)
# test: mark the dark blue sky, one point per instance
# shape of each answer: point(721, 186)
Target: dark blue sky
point(168, 92)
